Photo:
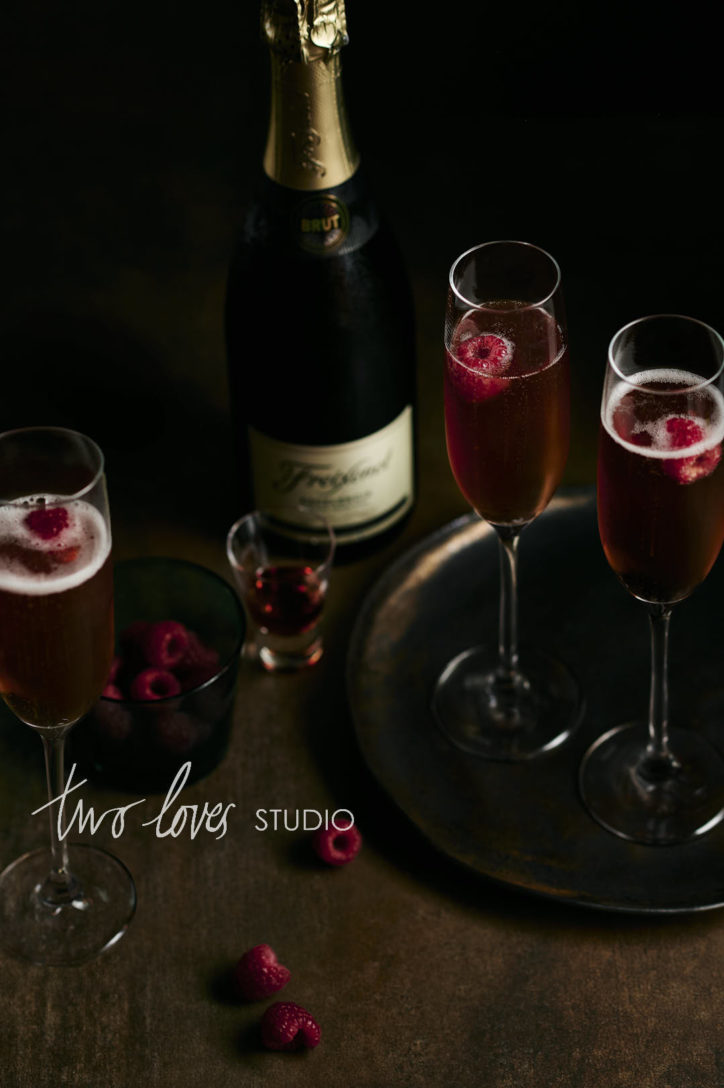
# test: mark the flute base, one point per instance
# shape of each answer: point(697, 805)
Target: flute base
point(506, 718)
point(85, 923)
point(643, 801)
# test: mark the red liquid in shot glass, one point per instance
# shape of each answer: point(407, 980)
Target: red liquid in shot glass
point(285, 599)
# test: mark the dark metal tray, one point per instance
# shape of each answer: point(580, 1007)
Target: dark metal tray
point(524, 824)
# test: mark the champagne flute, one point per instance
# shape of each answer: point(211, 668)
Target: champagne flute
point(661, 520)
point(63, 904)
point(507, 429)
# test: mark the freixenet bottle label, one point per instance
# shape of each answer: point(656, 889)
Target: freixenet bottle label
point(361, 487)
point(316, 267)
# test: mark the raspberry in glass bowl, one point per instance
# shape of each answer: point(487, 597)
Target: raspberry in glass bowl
point(170, 691)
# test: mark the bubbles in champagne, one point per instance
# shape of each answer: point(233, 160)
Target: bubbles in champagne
point(34, 565)
point(639, 417)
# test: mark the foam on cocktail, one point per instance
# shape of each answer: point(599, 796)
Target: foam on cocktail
point(34, 565)
point(658, 430)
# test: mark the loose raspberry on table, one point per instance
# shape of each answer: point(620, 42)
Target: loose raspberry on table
point(259, 973)
point(112, 691)
point(287, 1026)
point(337, 847)
point(47, 522)
point(164, 644)
point(154, 684)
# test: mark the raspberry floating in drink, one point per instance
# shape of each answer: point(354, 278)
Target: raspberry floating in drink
point(629, 427)
point(66, 555)
point(484, 359)
point(659, 438)
point(31, 560)
point(506, 409)
point(47, 522)
point(287, 1026)
point(489, 353)
point(670, 433)
point(52, 541)
point(683, 432)
point(54, 564)
point(258, 974)
point(687, 470)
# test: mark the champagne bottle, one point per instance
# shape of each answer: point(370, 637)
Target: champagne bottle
point(319, 317)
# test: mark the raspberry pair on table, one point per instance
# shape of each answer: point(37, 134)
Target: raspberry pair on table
point(259, 974)
point(284, 1025)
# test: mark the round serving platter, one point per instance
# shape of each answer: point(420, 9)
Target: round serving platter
point(523, 823)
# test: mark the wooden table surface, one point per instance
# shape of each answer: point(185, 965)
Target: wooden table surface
point(130, 148)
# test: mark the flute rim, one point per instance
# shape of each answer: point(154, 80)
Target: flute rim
point(507, 242)
point(81, 492)
point(696, 386)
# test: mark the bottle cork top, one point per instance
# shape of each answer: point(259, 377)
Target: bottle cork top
point(304, 30)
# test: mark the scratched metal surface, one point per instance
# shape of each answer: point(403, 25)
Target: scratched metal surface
point(523, 824)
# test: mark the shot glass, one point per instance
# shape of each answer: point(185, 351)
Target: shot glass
point(283, 579)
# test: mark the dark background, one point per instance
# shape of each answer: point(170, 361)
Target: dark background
point(131, 136)
point(133, 133)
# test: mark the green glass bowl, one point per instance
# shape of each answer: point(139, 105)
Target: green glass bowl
point(140, 745)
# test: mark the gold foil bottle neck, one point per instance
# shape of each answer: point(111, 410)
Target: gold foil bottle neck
point(309, 145)
point(304, 30)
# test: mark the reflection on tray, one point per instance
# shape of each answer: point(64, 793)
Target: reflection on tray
point(524, 823)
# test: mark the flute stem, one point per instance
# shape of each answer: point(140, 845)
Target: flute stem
point(659, 762)
point(59, 887)
point(508, 537)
